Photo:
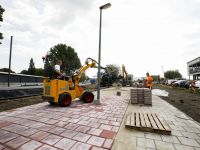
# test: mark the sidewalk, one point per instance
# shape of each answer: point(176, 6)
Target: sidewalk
point(185, 133)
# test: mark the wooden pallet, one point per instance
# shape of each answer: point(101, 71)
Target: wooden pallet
point(150, 122)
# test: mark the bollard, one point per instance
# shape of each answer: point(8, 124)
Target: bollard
point(193, 86)
point(172, 85)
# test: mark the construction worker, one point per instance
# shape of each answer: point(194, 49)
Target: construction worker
point(58, 74)
point(149, 81)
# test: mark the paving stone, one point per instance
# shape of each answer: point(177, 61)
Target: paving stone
point(81, 146)
point(29, 132)
point(64, 119)
point(195, 130)
point(65, 143)
point(47, 147)
point(2, 132)
point(178, 128)
point(84, 118)
point(83, 129)
point(145, 142)
point(51, 139)
point(197, 148)
point(46, 127)
point(10, 127)
point(69, 133)
point(115, 129)
point(180, 124)
point(37, 125)
point(102, 117)
point(81, 137)
point(190, 142)
point(112, 119)
point(71, 126)
point(105, 127)
point(61, 124)
point(176, 133)
point(190, 135)
point(183, 147)
point(57, 130)
point(94, 125)
point(152, 136)
point(108, 134)
point(97, 141)
point(17, 142)
point(94, 131)
point(164, 145)
point(114, 123)
point(30, 145)
point(97, 148)
point(169, 138)
point(103, 121)
point(84, 123)
point(73, 120)
point(93, 120)
point(2, 146)
point(39, 135)
point(7, 137)
point(108, 143)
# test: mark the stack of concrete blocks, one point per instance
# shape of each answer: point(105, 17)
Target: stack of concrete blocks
point(147, 96)
point(141, 96)
point(133, 95)
point(139, 86)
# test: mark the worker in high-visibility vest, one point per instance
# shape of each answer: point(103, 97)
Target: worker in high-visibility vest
point(149, 81)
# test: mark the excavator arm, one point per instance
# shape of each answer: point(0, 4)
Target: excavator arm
point(125, 73)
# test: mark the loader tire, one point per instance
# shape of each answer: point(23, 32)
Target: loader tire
point(88, 97)
point(65, 100)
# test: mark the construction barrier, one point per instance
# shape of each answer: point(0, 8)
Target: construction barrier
point(193, 87)
point(172, 85)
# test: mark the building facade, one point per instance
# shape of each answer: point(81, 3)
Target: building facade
point(193, 68)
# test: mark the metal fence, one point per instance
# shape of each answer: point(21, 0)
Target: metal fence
point(20, 78)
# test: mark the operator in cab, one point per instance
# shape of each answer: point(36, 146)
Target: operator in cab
point(58, 74)
point(149, 81)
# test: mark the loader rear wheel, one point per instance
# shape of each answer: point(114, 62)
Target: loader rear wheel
point(83, 96)
point(88, 97)
point(65, 100)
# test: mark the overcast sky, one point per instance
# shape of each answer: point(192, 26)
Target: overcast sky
point(141, 34)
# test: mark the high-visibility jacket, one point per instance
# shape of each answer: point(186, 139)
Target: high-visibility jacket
point(149, 81)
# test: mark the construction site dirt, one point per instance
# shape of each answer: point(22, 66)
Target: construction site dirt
point(189, 103)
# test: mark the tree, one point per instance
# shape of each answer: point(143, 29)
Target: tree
point(84, 77)
point(31, 69)
point(114, 68)
point(6, 70)
point(1, 19)
point(39, 71)
point(68, 56)
point(24, 71)
point(172, 74)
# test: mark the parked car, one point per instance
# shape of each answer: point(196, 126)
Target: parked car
point(163, 82)
point(187, 84)
point(171, 81)
point(177, 83)
point(182, 83)
point(93, 81)
point(197, 84)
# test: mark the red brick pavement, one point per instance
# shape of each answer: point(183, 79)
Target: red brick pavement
point(80, 126)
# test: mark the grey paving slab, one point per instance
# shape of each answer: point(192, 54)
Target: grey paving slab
point(145, 142)
point(164, 145)
point(187, 141)
point(195, 130)
point(170, 138)
point(178, 128)
point(183, 147)
point(190, 135)
point(154, 136)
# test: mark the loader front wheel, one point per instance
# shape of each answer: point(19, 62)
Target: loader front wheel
point(88, 97)
point(65, 100)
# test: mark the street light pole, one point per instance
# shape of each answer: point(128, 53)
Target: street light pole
point(97, 102)
point(10, 60)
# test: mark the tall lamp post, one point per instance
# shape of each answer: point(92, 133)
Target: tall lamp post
point(99, 60)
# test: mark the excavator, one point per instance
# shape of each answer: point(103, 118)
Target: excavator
point(127, 78)
point(62, 92)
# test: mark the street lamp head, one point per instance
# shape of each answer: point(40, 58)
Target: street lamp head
point(105, 6)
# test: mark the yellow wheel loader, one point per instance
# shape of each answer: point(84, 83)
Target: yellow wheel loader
point(62, 92)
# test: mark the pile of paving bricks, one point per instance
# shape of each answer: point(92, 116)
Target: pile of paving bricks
point(141, 96)
point(139, 86)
